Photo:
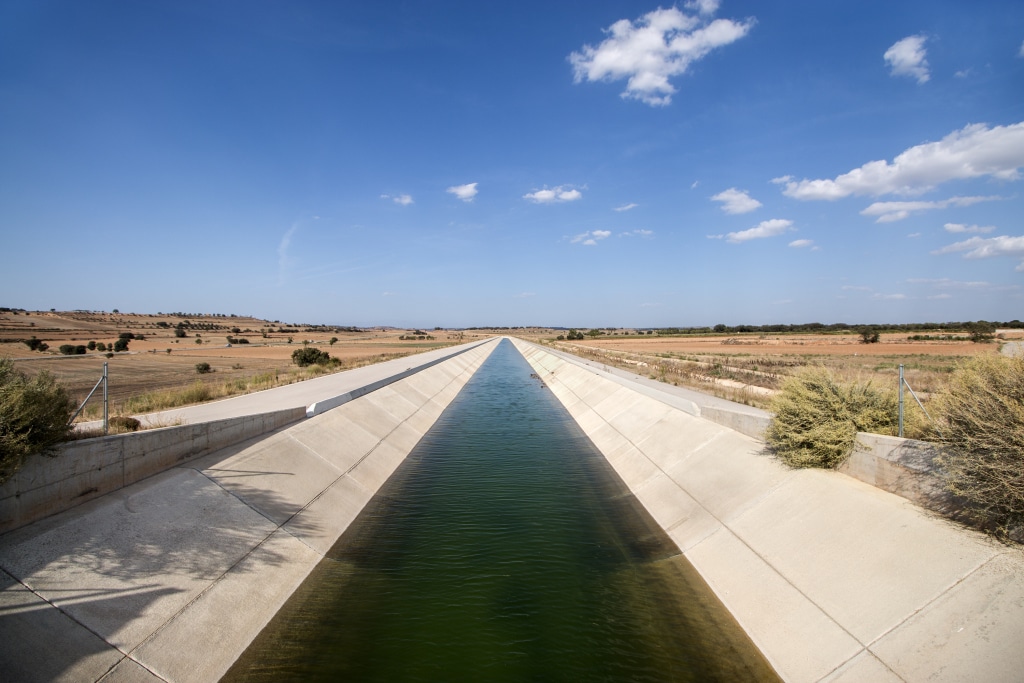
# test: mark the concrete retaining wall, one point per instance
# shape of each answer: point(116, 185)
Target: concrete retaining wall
point(833, 579)
point(79, 471)
point(902, 466)
point(171, 578)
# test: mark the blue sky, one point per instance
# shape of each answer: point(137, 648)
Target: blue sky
point(572, 163)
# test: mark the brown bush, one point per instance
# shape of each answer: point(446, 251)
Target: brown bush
point(981, 424)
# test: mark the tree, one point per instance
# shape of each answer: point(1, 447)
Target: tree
point(981, 332)
point(120, 345)
point(868, 336)
point(179, 332)
point(34, 415)
point(203, 368)
point(334, 340)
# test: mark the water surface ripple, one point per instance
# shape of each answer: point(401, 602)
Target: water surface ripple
point(503, 549)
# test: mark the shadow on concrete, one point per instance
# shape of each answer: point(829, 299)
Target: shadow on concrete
point(42, 643)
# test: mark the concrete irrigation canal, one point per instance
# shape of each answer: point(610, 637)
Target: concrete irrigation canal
point(540, 519)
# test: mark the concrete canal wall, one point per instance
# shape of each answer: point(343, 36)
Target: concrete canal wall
point(171, 577)
point(832, 578)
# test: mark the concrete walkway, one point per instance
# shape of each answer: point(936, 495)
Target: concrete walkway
point(833, 579)
point(303, 393)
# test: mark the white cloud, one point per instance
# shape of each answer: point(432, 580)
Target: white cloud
point(464, 192)
point(694, 185)
point(972, 152)
point(659, 45)
point(973, 229)
point(889, 297)
point(800, 244)
point(941, 296)
point(637, 233)
point(626, 207)
point(562, 193)
point(986, 247)
point(907, 58)
point(591, 238)
point(706, 7)
point(1021, 52)
point(914, 234)
point(525, 295)
point(769, 228)
point(889, 212)
point(736, 201)
point(403, 199)
point(856, 288)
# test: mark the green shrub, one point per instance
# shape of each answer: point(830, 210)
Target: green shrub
point(310, 356)
point(203, 368)
point(72, 349)
point(35, 344)
point(981, 424)
point(34, 415)
point(817, 417)
point(120, 345)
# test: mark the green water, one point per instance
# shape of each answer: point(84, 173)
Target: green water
point(503, 549)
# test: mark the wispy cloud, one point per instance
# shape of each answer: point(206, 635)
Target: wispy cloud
point(637, 233)
point(403, 199)
point(907, 58)
point(890, 212)
point(769, 228)
point(657, 46)
point(889, 297)
point(626, 207)
point(736, 201)
point(947, 283)
point(562, 193)
point(970, 229)
point(591, 238)
point(464, 192)
point(524, 295)
point(801, 244)
point(284, 261)
point(988, 247)
point(972, 152)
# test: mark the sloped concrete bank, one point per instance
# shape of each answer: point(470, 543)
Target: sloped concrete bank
point(80, 471)
point(833, 579)
point(170, 578)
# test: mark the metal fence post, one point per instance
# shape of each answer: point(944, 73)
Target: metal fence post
point(107, 403)
point(901, 401)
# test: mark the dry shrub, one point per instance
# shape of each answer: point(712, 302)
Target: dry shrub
point(817, 417)
point(981, 415)
point(120, 424)
point(34, 415)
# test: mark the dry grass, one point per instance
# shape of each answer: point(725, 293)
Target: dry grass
point(981, 422)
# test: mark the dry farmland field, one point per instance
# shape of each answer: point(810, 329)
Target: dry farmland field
point(160, 370)
point(750, 367)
